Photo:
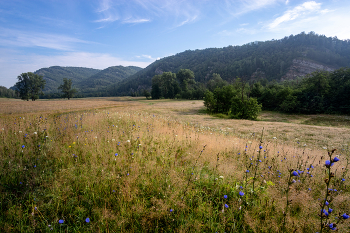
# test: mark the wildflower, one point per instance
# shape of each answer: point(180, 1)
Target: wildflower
point(241, 193)
point(23, 146)
point(294, 173)
point(116, 154)
point(312, 166)
point(240, 187)
point(328, 162)
point(60, 221)
point(260, 147)
point(226, 206)
point(330, 210)
point(171, 210)
point(225, 196)
point(309, 189)
point(248, 171)
point(336, 159)
point(345, 216)
point(87, 220)
point(342, 179)
point(326, 203)
point(325, 212)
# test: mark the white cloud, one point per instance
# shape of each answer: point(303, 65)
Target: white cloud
point(302, 10)
point(141, 11)
point(237, 8)
point(131, 20)
point(10, 37)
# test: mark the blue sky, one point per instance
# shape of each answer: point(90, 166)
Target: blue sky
point(98, 34)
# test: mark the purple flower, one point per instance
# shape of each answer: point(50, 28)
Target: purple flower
point(336, 159)
point(294, 173)
point(225, 196)
point(247, 171)
point(325, 212)
point(226, 206)
point(241, 193)
point(171, 210)
point(87, 220)
point(328, 163)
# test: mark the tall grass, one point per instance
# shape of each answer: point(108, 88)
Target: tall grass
point(120, 170)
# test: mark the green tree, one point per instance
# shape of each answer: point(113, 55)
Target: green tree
point(29, 86)
point(66, 88)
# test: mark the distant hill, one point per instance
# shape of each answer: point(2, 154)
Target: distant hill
point(88, 81)
point(105, 78)
point(287, 58)
point(54, 76)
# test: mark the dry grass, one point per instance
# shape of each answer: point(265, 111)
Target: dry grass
point(160, 144)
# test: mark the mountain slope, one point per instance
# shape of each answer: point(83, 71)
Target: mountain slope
point(273, 60)
point(54, 76)
point(106, 77)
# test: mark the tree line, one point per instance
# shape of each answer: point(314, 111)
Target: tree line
point(318, 92)
point(30, 86)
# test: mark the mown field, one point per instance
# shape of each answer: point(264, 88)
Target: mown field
point(135, 165)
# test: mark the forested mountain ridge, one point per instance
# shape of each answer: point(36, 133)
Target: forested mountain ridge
point(286, 58)
point(105, 78)
point(88, 81)
point(55, 74)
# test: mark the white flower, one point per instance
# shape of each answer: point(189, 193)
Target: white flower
point(35, 133)
point(221, 177)
point(127, 140)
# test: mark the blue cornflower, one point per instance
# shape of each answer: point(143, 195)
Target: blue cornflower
point(312, 166)
point(325, 212)
point(307, 168)
point(330, 225)
point(294, 173)
point(225, 196)
point(240, 187)
point(34, 165)
point(328, 162)
point(87, 220)
point(309, 189)
point(171, 210)
point(345, 216)
point(60, 221)
point(342, 179)
point(241, 193)
point(334, 190)
point(226, 206)
point(330, 210)
point(326, 203)
point(336, 159)
point(116, 154)
point(23, 146)
point(260, 147)
point(259, 160)
point(247, 171)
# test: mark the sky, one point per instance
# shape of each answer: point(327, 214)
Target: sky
point(98, 34)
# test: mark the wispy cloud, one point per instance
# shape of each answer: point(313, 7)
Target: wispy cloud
point(303, 10)
point(142, 11)
point(240, 7)
point(10, 37)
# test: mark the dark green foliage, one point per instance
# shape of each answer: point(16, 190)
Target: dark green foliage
point(7, 93)
point(66, 89)
point(244, 109)
point(29, 86)
point(232, 100)
point(165, 86)
point(319, 92)
point(270, 60)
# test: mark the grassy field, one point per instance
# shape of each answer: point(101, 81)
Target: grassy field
point(136, 165)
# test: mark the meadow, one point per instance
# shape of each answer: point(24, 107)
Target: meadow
point(135, 165)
